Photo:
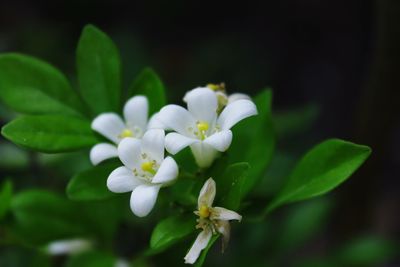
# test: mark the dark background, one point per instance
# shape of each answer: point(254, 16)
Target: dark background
point(341, 56)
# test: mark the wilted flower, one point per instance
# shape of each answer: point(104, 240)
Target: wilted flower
point(212, 220)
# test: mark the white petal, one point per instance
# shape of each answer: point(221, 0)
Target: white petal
point(204, 154)
point(207, 194)
point(225, 214)
point(175, 142)
point(155, 123)
point(224, 228)
point(202, 103)
point(143, 199)
point(153, 144)
point(136, 112)
point(177, 118)
point(122, 180)
point(199, 244)
point(109, 125)
point(235, 112)
point(220, 141)
point(129, 151)
point(101, 152)
point(69, 246)
point(167, 172)
point(237, 96)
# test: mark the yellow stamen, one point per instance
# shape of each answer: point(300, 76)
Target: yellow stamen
point(126, 133)
point(148, 167)
point(203, 127)
point(216, 87)
point(204, 211)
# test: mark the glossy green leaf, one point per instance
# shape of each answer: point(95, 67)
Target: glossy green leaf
point(203, 255)
point(253, 140)
point(92, 259)
point(230, 186)
point(44, 216)
point(50, 133)
point(91, 184)
point(322, 169)
point(148, 83)
point(5, 197)
point(29, 85)
point(99, 70)
point(170, 231)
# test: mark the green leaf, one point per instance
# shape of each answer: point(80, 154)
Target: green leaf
point(99, 70)
point(367, 251)
point(29, 85)
point(322, 169)
point(255, 146)
point(91, 184)
point(43, 216)
point(50, 133)
point(203, 255)
point(148, 83)
point(92, 259)
point(170, 231)
point(5, 197)
point(230, 186)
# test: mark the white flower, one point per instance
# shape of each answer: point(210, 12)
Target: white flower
point(111, 126)
point(201, 127)
point(69, 246)
point(222, 97)
point(212, 220)
point(145, 171)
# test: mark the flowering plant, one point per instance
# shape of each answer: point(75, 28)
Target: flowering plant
point(208, 158)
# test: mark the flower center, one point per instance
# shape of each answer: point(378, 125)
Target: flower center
point(204, 211)
point(148, 166)
point(216, 87)
point(202, 127)
point(125, 133)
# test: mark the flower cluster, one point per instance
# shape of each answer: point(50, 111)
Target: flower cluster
point(140, 144)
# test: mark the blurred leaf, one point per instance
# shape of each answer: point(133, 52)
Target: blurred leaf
point(91, 184)
point(183, 190)
point(50, 133)
point(254, 146)
point(43, 216)
point(13, 157)
point(92, 259)
point(6, 191)
point(367, 251)
point(322, 169)
point(148, 83)
point(230, 186)
point(99, 70)
point(295, 121)
point(304, 221)
point(29, 85)
point(170, 231)
point(203, 255)
point(185, 160)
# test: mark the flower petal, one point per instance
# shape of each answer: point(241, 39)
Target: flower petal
point(129, 151)
point(237, 96)
point(101, 152)
point(153, 144)
point(122, 180)
point(223, 214)
point(109, 125)
point(204, 154)
point(143, 199)
point(177, 118)
point(235, 112)
point(207, 194)
point(167, 172)
point(199, 244)
point(202, 103)
point(220, 141)
point(175, 142)
point(136, 112)
point(155, 123)
point(224, 228)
